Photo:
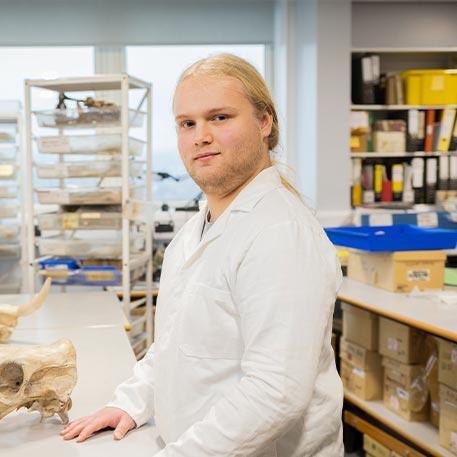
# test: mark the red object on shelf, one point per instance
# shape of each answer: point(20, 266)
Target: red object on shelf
point(386, 191)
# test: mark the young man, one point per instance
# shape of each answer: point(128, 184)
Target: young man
point(242, 363)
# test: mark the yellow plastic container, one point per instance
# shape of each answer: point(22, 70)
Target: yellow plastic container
point(430, 87)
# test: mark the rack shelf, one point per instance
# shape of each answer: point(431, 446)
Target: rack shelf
point(104, 187)
point(374, 155)
point(398, 107)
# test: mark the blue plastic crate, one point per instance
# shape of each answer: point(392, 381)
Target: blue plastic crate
point(112, 276)
point(393, 238)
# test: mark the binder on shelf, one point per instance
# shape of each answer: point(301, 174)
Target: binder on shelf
point(363, 80)
point(431, 169)
point(446, 129)
point(453, 142)
point(417, 165)
point(429, 130)
point(443, 173)
point(421, 131)
point(397, 182)
point(408, 192)
point(453, 173)
point(356, 188)
point(412, 138)
point(367, 184)
point(378, 178)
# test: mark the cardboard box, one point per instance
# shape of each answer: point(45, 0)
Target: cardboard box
point(359, 356)
point(448, 418)
point(398, 271)
point(364, 384)
point(401, 342)
point(405, 391)
point(389, 141)
point(360, 326)
point(374, 448)
point(447, 373)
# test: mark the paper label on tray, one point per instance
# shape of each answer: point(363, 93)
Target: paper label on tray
point(55, 144)
point(419, 275)
point(70, 221)
point(6, 170)
point(454, 356)
point(393, 400)
point(380, 219)
point(427, 219)
point(392, 344)
point(91, 215)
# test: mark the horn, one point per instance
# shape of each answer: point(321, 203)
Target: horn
point(37, 300)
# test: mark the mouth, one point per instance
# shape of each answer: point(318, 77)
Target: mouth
point(206, 156)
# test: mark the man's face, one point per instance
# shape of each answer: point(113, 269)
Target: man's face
point(221, 140)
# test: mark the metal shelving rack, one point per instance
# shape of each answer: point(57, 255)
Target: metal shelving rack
point(131, 207)
point(12, 232)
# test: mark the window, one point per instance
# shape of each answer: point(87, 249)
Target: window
point(162, 66)
point(20, 63)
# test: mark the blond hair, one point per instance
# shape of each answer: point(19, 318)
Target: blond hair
point(255, 88)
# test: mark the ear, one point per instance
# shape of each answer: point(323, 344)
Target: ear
point(266, 124)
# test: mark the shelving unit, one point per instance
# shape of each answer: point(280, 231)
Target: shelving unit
point(393, 60)
point(12, 231)
point(425, 312)
point(96, 170)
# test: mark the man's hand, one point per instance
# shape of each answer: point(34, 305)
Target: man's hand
point(107, 417)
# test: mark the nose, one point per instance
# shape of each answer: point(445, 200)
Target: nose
point(203, 135)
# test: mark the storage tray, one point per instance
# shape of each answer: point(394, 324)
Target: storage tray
point(402, 237)
point(81, 220)
point(6, 137)
point(86, 169)
point(8, 232)
point(8, 152)
point(89, 196)
point(8, 191)
point(87, 117)
point(110, 143)
point(107, 249)
point(9, 210)
point(8, 170)
point(10, 250)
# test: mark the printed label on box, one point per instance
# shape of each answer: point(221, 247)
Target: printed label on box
point(358, 372)
point(392, 344)
point(91, 215)
point(6, 170)
point(419, 275)
point(70, 221)
point(427, 220)
point(403, 394)
point(453, 441)
point(393, 400)
point(55, 144)
point(380, 219)
point(454, 356)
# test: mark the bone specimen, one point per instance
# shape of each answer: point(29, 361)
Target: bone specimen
point(39, 378)
point(9, 314)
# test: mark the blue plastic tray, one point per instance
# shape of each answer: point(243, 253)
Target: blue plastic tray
point(393, 238)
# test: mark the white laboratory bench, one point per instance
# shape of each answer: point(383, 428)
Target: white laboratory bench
point(94, 322)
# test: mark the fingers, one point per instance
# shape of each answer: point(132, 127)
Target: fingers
point(125, 424)
point(89, 429)
point(70, 426)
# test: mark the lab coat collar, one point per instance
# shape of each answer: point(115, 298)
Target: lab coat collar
point(268, 179)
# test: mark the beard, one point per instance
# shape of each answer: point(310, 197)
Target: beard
point(225, 177)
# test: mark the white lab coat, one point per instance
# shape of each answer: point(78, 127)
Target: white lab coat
point(242, 363)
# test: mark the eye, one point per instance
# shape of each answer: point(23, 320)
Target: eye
point(187, 124)
point(220, 117)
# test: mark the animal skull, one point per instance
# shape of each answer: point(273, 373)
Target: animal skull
point(39, 378)
point(9, 314)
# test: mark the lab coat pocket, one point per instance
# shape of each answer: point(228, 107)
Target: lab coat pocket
point(210, 325)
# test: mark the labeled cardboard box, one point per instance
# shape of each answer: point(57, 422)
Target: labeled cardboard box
point(448, 418)
point(364, 384)
point(401, 342)
point(359, 356)
point(360, 326)
point(448, 363)
point(405, 391)
point(374, 448)
point(398, 271)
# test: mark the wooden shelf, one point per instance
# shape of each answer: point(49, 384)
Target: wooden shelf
point(422, 434)
point(398, 107)
point(417, 310)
